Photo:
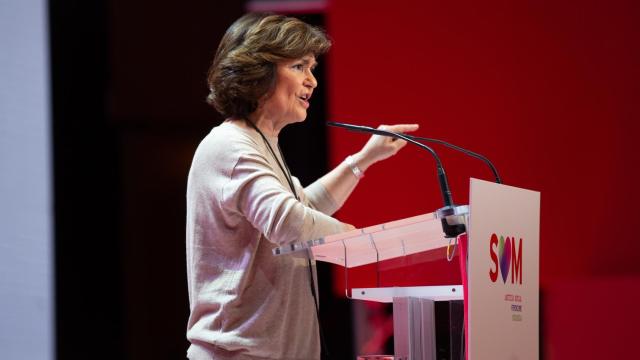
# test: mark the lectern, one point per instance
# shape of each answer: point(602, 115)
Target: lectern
point(499, 262)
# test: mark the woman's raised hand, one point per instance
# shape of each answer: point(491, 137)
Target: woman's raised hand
point(382, 147)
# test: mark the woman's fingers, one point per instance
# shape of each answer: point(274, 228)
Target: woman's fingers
point(400, 128)
point(382, 147)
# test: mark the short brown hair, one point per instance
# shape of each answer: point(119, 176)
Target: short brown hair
point(244, 66)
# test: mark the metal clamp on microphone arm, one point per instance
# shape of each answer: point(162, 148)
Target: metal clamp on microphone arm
point(451, 216)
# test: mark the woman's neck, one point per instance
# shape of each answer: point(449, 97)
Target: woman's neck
point(269, 125)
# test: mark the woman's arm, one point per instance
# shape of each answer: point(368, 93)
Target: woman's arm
point(254, 191)
point(341, 181)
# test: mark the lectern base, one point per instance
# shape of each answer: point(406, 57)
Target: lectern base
point(425, 329)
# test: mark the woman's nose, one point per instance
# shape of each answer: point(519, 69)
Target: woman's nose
point(310, 80)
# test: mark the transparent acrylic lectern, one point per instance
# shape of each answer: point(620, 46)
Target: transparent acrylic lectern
point(499, 268)
point(414, 307)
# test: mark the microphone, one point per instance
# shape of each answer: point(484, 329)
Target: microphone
point(464, 151)
point(450, 226)
point(368, 129)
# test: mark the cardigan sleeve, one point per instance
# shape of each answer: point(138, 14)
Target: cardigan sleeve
point(255, 192)
point(320, 199)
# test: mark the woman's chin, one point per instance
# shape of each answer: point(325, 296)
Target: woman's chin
point(300, 119)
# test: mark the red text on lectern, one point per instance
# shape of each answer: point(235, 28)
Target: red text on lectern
point(505, 258)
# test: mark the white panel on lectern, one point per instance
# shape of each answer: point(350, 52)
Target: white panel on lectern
point(503, 272)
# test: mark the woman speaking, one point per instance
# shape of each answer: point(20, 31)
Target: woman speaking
point(242, 200)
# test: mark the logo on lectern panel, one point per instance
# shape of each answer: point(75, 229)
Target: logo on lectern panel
point(506, 256)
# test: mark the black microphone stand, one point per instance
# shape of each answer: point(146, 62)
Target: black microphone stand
point(450, 215)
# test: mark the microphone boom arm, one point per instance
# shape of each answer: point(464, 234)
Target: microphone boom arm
point(465, 151)
point(442, 176)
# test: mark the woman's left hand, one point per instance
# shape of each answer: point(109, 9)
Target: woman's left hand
point(382, 147)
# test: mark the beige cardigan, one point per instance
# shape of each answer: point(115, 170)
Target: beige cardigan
point(245, 303)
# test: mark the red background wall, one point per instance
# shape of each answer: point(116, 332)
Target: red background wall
point(549, 91)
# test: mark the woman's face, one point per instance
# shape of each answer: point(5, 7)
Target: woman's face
point(289, 101)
